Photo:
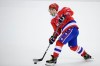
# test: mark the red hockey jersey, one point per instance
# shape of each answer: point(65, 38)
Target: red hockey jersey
point(66, 24)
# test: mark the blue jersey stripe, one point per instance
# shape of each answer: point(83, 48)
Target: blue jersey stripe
point(80, 50)
point(69, 22)
point(57, 50)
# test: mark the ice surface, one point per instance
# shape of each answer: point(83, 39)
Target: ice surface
point(25, 29)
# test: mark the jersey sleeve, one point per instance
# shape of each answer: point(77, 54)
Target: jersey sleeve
point(67, 11)
point(56, 32)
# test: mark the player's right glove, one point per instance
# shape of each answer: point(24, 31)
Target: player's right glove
point(52, 39)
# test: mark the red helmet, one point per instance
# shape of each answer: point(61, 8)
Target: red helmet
point(54, 5)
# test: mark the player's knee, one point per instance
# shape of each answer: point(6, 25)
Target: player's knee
point(58, 43)
point(74, 48)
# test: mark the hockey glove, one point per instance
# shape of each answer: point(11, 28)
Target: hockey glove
point(62, 19)
point(52, 40)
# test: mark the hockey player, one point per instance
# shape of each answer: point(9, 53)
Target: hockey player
point(64, 25)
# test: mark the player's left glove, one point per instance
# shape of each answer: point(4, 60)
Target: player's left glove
point(62, 18)
point(52, 39)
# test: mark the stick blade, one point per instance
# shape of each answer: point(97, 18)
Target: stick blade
point(37, 60)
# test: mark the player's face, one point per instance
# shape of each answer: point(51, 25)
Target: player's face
point(52, 12)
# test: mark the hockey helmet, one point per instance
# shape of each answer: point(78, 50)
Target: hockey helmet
point(54, 6)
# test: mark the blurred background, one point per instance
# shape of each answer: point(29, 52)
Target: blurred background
point(25, 29)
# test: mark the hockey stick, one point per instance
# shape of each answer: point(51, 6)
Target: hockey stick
point(38, 60)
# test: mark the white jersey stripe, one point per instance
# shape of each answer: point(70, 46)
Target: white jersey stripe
point(70, 24)
point(57, 52)
point(58, 47)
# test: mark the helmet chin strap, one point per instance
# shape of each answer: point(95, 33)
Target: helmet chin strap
point(53, 14)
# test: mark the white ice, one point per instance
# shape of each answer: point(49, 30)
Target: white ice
point(25, 29)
